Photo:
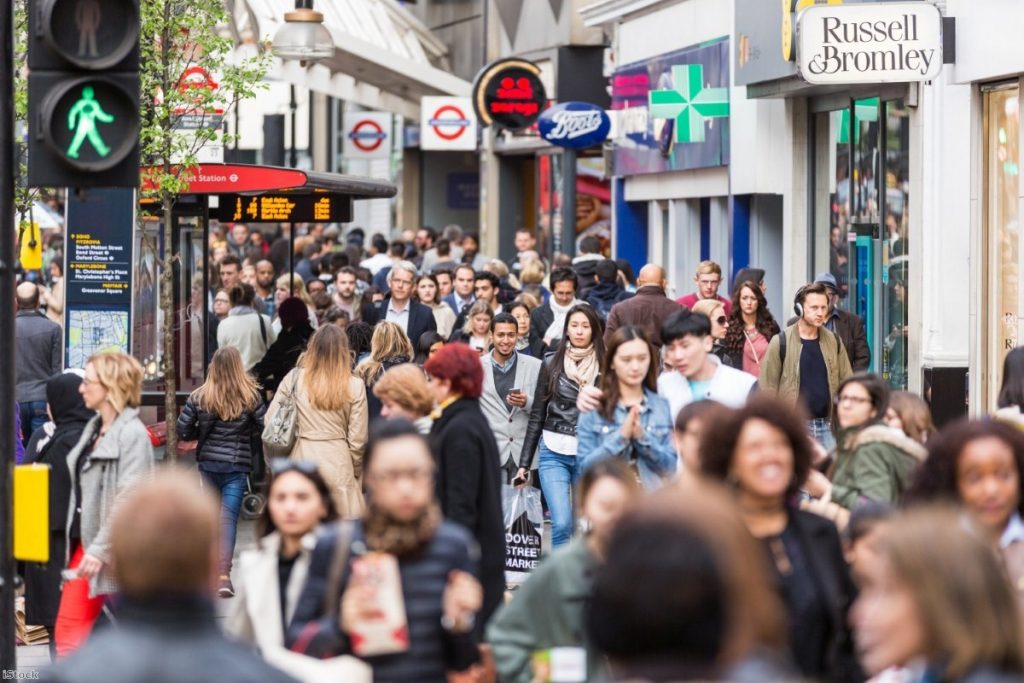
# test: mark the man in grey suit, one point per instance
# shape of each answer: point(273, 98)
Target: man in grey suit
point(510, 382)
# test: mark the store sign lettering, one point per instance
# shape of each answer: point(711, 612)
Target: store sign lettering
point(875, 43)
point(576, 125)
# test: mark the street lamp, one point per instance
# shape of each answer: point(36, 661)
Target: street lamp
point(303, 36)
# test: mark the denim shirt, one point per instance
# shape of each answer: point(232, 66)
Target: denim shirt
point(600, 439)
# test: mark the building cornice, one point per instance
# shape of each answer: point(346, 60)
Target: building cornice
point(608, 11)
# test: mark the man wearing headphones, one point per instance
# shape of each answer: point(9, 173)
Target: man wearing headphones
point(806, 362)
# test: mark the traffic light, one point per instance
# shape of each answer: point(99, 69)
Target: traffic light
point(83, 93)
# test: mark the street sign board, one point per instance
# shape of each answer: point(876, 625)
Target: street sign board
point(509, 93)
point(367, 135)
point(447, 124)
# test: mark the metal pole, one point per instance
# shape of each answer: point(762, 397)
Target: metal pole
point(8, 661)
point(293, 155)
point(569, 202)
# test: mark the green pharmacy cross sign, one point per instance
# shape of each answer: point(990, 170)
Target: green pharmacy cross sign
point(689, 103)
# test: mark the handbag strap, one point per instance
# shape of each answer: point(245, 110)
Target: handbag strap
point(339, 560)
point(263, 328)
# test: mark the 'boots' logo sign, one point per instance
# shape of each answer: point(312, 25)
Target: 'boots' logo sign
point(869, 43)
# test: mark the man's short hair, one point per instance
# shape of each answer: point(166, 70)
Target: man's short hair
point(812, 288)
point(397, 248)
point(503, 319)
point(684, 323)
point(441, 271)
point(347, 270)
point(490, 277)
point(164, 537)
point(465, 266)
point(431, 233)
point(379, 243)
point(402, 265)
point(525, 231)
point(230, 259)
point(452, 232)
point(443, 246)
point(563, 275)
point(606, 271)
point(590, 245)
point(706, 267)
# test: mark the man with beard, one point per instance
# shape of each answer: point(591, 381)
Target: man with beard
point(437, 561)
point(264, 287)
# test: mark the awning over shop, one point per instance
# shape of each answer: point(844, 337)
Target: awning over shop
point(384, 57)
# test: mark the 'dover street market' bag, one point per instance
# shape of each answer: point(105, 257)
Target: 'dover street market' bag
point(524, 528)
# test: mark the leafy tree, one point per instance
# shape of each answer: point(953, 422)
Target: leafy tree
point(176, 36)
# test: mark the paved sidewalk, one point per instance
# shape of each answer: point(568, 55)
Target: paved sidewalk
point(34, 658)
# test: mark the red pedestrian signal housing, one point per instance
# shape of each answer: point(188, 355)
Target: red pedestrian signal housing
point(83, 111)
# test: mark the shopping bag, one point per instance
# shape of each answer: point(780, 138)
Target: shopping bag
point(524, 531)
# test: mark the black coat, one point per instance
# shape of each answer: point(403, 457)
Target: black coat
point(282, 355)
point(374, 404)
point(605, 295)
point(169, 641)
point(421, 317)
point(540, 320)
point(469, 489)
point(432, 650)
point(823, 552)
point(234, 442)
point(43, 581)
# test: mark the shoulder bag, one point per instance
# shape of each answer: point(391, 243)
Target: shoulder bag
point(281, 428)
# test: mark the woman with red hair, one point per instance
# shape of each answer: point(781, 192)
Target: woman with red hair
point(468, 479)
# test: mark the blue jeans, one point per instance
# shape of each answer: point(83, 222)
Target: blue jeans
point(558, 477)
point(820, 429)
point(33, 416)
point(231, 487)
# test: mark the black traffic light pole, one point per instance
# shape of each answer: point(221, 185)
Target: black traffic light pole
point(8, 662)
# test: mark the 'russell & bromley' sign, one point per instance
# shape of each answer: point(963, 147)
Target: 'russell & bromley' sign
point(892, 42)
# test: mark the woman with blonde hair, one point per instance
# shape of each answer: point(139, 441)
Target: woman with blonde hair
point(715, 312)
point(532, 279)
point(389, 346)
point(225, 415)
point(113, 453)
point(476, 332)
point(404, 393)
point(293, 286)
point(934, 594)
point(331, 417)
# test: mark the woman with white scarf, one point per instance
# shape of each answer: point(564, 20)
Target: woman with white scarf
point(577, 362)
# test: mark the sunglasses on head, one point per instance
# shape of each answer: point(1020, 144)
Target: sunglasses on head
point(279, 466)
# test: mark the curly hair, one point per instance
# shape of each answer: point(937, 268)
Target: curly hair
point(936, 478)
point(719, 439)
point(735, 336)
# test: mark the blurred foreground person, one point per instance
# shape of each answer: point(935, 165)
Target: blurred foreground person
point(764, 452)
point(350, 591)
point(679, 599)
point(546, 614)
point(935, 597)
point(164, 544)
point(980, 465)
point(271, 577)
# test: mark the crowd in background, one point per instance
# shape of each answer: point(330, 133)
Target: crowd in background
point(730, 496)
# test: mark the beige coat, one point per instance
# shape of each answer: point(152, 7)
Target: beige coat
point(334, 440)
point(255, 615)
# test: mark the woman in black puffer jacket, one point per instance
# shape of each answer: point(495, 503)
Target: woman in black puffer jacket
point(225, 415)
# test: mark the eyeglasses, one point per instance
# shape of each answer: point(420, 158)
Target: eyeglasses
point(416, 475)
point(855, 400)
point(281, 465)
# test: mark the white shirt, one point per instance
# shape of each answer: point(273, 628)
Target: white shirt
point(729, 386)
point(375, 263)
point(398, 316)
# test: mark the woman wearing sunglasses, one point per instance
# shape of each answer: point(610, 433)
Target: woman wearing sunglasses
point(271, 577)
point(874, 462)
point(715, 312)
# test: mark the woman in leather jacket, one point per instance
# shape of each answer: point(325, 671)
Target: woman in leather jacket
point(577, 362)
point(225, 415)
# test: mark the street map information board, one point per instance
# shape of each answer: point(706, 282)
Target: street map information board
point(98, 288)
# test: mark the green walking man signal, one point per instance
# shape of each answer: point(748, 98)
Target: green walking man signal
point(82, 119)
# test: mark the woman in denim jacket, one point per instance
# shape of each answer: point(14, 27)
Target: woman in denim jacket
point(632, 422)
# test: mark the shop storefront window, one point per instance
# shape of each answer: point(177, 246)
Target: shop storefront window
point(861, 201)
point(1002, 228)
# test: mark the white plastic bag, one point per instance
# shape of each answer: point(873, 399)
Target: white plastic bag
point(524, 531)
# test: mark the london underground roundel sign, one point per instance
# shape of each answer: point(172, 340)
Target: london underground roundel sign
point(509, 93)
point(367, 135)
point(447, 123)
point(576, 125)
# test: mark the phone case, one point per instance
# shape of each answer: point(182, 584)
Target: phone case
point(387, 631)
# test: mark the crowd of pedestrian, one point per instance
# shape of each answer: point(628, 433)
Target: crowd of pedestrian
point(725, 497)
